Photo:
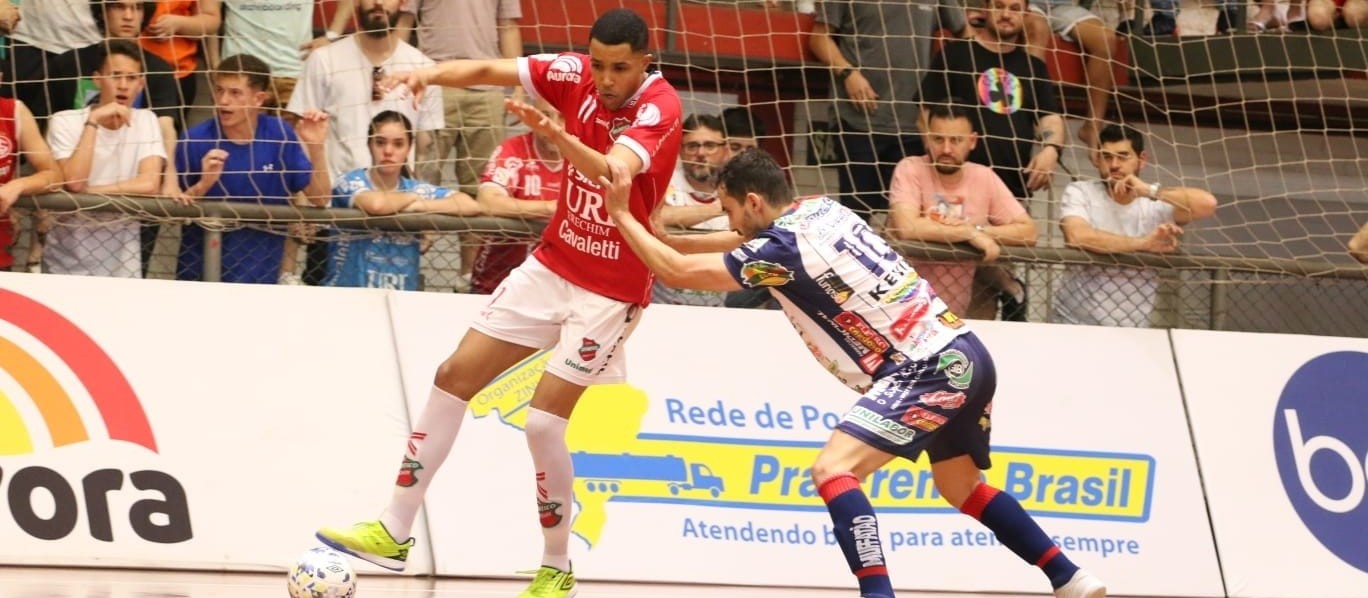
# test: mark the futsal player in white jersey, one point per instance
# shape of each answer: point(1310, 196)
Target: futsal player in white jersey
point(926, 381)
point(581, 290)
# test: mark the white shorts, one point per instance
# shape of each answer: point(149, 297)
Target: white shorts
point(1063, 16)
point(535, 307)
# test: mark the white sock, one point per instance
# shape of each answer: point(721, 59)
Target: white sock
point(428, 446)
point(555, 480)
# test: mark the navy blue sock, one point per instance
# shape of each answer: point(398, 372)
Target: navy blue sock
point(999, 512)
point(857, 531)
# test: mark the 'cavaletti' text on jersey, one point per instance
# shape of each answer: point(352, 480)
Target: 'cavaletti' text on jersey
point(860, 308)
point(581, 243)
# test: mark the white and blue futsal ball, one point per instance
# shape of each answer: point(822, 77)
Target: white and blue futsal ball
point(322, 573)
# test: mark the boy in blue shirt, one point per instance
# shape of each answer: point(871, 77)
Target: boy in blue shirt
point(244, 155)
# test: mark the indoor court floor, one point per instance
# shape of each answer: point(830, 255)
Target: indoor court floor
point(16, 582)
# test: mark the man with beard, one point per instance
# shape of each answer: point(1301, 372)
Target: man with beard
point(1012, 103)
point(343, 80)
point(943, 198)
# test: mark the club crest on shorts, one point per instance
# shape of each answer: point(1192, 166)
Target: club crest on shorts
point(957, 367)
point(589, 349)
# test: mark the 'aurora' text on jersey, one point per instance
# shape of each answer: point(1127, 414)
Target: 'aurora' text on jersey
point(859, 306)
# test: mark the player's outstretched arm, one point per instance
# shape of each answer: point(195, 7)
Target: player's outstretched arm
point(587, 160)
point(457, 73)
point(699, 271)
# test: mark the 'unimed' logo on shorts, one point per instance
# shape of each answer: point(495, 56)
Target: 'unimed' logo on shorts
point(1320, 442)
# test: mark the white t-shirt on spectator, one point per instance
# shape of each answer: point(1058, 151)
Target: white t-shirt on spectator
point(338, 79)
point(682, 193)
point(1109, 296)
point(271, 31)
point(100, 243)
point(58, 25)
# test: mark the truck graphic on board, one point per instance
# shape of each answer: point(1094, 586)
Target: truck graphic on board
point(615, 473)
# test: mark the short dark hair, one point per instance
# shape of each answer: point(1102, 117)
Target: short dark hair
point(947, 112)
point(704, 121)
point(97, 11)
point(119, 47)
point(1113, 133)
point(392, 116)
point(621, 26)
point(738, 121)
point(257, 72)
point(755, 171)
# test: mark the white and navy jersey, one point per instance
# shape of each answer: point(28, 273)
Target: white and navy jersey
point(859, 306)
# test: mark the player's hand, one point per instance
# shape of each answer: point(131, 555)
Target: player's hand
point(416, 81)
point(539, 122)
point(861, 92)
point(1164, 239)
point(312, 127)
point(1040, 171)
point(617, 189)
point(211, 166)
point(112, 115)
point(986, 244)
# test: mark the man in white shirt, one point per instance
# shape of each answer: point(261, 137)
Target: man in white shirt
point(342, 79)
point(691, 200)
point(111, 148)
point(1121, 213)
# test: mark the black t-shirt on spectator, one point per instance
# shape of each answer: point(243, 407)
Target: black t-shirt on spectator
point(1009, 92)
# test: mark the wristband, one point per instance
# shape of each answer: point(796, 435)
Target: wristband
point(1154, 190)
point(92, 124)
point(332, 35)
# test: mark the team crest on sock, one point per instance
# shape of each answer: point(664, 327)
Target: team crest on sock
point(408, 473)
point(548, 511)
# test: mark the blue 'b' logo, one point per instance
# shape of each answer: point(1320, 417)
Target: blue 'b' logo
point(1320, 440)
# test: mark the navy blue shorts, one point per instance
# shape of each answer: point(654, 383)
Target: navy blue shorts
point(942, 406)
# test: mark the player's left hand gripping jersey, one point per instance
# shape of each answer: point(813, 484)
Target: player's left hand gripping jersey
point(581, 243)
point(859, 306)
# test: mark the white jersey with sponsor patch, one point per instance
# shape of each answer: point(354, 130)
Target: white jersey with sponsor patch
point(859, 306)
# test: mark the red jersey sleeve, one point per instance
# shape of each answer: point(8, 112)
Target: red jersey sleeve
point(654, 133)
point(561, 79)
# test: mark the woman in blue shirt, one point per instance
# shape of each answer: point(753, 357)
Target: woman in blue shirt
point(387, 260)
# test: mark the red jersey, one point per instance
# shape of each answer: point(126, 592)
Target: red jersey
point(581, 243)
point(521, 172)
point(9, 163)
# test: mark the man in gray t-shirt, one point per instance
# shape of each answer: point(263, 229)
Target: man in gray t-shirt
point(877, 52)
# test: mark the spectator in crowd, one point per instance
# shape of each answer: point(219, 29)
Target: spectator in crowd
point(109, 148)
point(1121, 213)
point(691, 201)
point(280, 34)
point(1358, 246)
point(742, 130)
point(20, 137)
point(387, 260)
point(1095, 38)
point(343, 80)
point(244, 155)
point(35, 71)
point(175, 33)
point(1324, 15)
point(877, 53)
point(474, 124)
point(943, 198)
point(521, 180)
point(128, 19)
point(1010, 94)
